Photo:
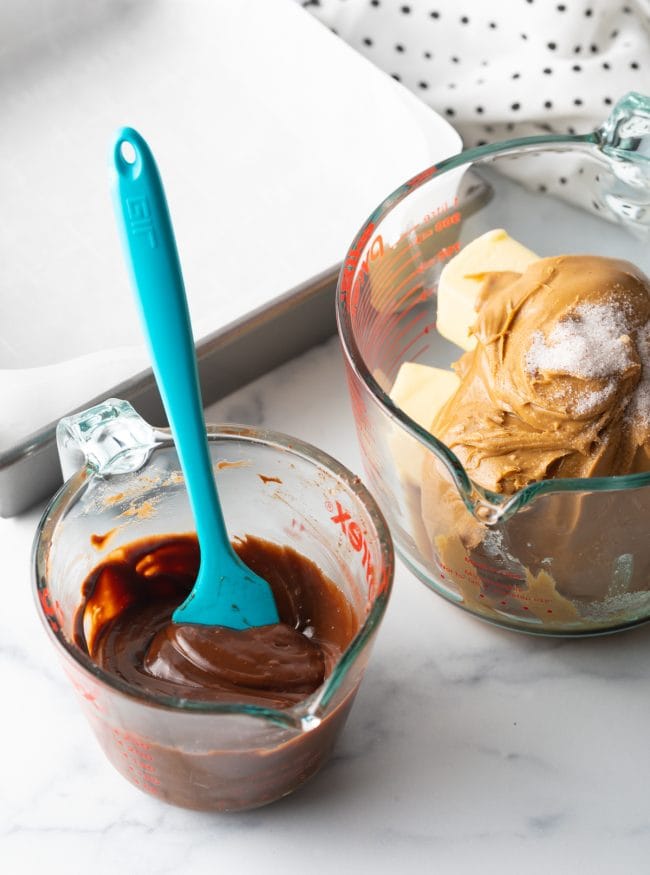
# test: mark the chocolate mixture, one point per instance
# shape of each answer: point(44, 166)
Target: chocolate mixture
point(124, 624)
point(207, 761)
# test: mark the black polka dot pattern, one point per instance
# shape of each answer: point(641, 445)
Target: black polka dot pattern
point(499, 70)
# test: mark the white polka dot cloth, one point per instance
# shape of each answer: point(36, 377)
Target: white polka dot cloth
point(508, 67)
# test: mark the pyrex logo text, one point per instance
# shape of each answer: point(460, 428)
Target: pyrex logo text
point(356, 538)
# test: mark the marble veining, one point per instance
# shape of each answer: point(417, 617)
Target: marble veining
point(469, 749)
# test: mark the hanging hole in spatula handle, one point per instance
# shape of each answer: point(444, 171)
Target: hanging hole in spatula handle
point(128, 152)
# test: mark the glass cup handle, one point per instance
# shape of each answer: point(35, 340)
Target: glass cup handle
point(624, 138)
point(110, 438)
point(626, 132)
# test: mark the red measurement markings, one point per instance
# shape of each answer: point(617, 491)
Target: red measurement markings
point(384, 324)
point(394, 351)
point(138, 760)
point(419, 178)
point(389, 268)
point(351, 277)
point(357, 398)
point(448, 221)
point(444, 207)
point(457, 574)
point(364, 309)
point(352, 260)
point(512, 590)
point(383, 328)
point(401, 354)
point(493, 570)
point(87, 694)
point(440, 256)
point(418, 296)
point(383, 276)
point(380, 326)
point(441, 225)
point(356, 538)
point(49, 609)
point(390, 286)
point(448, 251)
point(398, 258)
point(420, 351)
point(392, 354)
point(395, 293)
point(388, 299)
point(294, 529)
point(376, 248)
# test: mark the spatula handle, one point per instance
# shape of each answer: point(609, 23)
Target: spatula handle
point(148, 237)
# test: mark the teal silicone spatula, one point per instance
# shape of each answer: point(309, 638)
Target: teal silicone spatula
point(226, 592)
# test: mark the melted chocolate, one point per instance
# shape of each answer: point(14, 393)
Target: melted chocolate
point(272, 659)
point(124, 624)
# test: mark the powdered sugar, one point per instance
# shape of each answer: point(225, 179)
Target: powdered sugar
point(595, 343)
point(592, 344)
point(590, 401)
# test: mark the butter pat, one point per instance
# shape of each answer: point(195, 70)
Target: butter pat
point(461, 281)
point(420, 391)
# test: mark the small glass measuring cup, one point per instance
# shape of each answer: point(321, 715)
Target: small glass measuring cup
point(125, 484)
point(559, 557)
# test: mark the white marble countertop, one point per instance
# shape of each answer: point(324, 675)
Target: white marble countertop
point(469, 749)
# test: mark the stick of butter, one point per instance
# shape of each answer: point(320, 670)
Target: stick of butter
point(420, 391)
point(461, 281)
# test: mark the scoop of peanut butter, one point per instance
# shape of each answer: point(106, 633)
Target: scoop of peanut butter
point(558, 384)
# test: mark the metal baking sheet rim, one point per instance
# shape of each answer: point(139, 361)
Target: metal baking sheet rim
point(227, 359)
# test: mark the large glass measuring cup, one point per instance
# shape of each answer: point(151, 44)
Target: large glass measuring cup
point(125, 484)
point(559, 557)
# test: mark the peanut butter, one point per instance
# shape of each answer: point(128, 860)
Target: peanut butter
point(520, 415)
point(557, 386)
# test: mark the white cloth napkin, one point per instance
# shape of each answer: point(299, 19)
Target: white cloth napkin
point(508, 68)
point(511, 68)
